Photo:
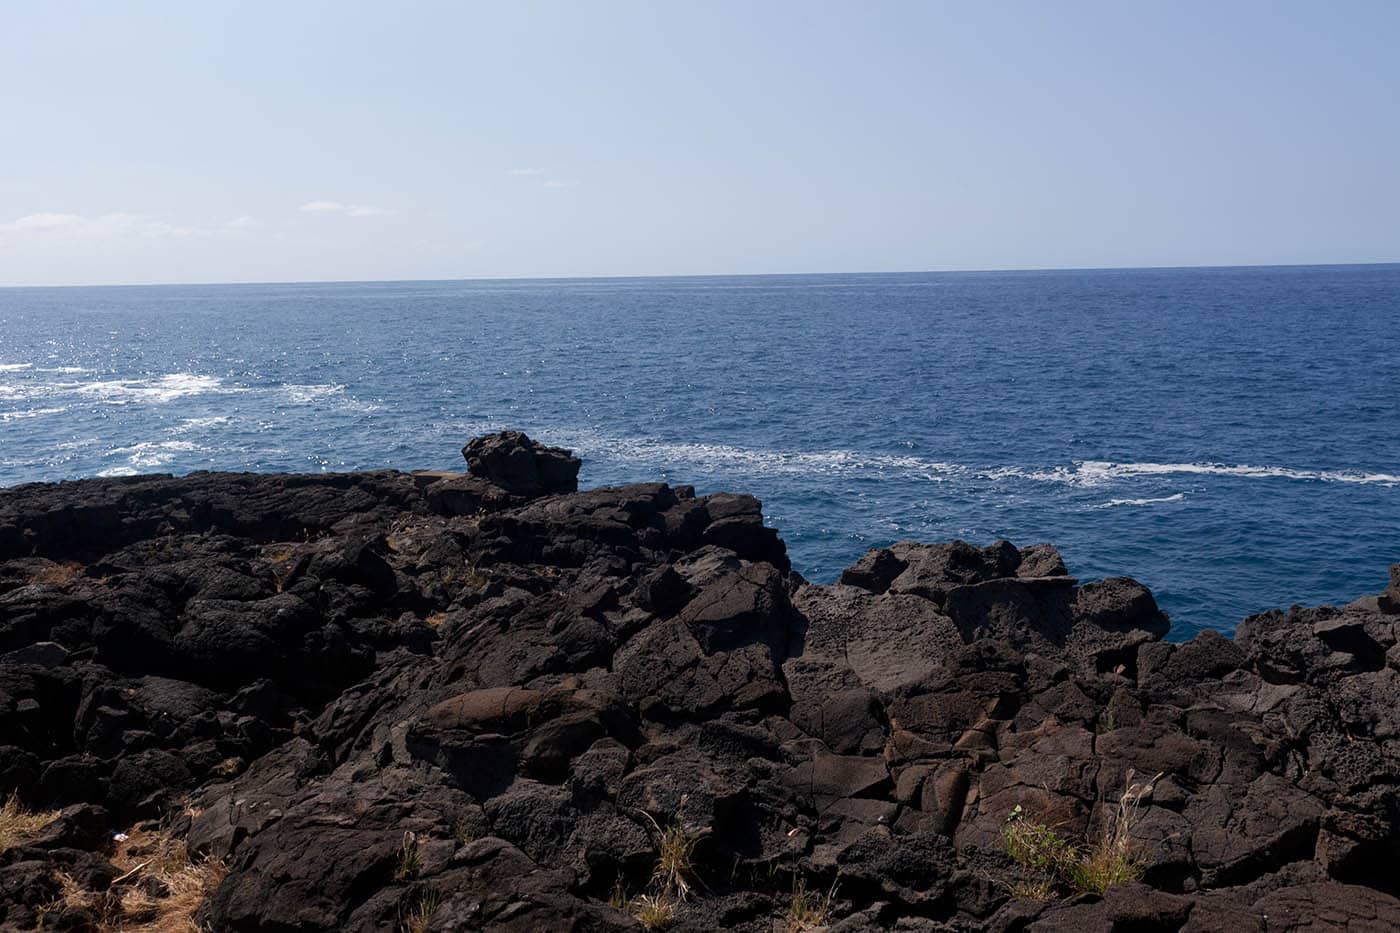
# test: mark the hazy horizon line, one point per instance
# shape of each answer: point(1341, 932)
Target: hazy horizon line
point(711, 275)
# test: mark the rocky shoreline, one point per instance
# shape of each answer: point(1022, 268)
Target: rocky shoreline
point(433, 701)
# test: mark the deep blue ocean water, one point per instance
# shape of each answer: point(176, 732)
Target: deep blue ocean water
point(1231, 437)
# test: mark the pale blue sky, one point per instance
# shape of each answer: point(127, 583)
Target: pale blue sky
point(188, 142)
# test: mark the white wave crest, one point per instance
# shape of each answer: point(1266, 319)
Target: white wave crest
point(67, 370)
point(196, 424)
point(14, 367)
point(1089, 473)
point(155, 453)
point(721, 457)
point(117, 471)
point(853, 463)
point(29, 413)
point(1114, 503)
point(161, 389)
point(309, 393)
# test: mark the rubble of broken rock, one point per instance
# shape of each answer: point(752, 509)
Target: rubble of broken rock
point(488, 701)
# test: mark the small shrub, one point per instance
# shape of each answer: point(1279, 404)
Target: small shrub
point(618, 899)
point(18, 824)
point(1035, 845)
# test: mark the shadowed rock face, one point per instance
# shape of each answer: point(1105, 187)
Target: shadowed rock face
point(520, 466)
point(296, 671)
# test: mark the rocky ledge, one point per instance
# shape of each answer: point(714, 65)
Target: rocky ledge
point(472, 701)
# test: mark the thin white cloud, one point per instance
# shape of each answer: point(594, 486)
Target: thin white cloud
point(527, 171)
point(556, 183)
point(338, 207)
point(242, 223)
point(45, 221)
point(51, 226)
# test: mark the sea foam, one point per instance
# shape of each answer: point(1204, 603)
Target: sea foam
point(164, 388)
point(1114, 503)
point(854, 463)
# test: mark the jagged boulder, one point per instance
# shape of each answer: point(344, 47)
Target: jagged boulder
point(518, 465)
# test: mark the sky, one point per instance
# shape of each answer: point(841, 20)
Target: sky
point(246, 141)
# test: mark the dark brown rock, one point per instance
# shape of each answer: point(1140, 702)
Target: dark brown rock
point(529, 687)
point(520, 466)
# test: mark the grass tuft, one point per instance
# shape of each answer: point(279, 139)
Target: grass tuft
point(671, 880)
point(417, 917)
point(1055, 863)
point(1041, 889)
point(160, 888)
point(654, 911)
point(409, 862)
point(808, 910)
point(18, 824)
point(1112, 859)
point(1035, 845)
point(674, 866)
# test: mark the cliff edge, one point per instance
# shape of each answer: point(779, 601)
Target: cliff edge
point(441, 701)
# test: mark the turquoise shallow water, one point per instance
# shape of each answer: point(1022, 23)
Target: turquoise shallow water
point(1231, 437)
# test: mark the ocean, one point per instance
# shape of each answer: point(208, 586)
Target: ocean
point(1230, 437)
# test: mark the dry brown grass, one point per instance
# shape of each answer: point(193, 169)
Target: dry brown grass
point(420, 914)
point(674, 866)
point(1112, 859)
point(808, 910)
point(1054, 863)
point(57, 574)
point(1040, 889)
point(671, 881)
point(409, 862)
point(159, 890)
point(654, 911)
point(281, 560)
point(18, 824)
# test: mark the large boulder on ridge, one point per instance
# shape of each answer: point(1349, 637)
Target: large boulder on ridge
point(521, 466)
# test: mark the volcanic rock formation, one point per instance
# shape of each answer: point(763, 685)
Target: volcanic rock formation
point(487, 701)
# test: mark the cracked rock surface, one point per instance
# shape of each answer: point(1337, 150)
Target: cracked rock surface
point(520, 684)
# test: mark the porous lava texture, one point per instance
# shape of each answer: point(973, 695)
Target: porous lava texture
point(480, 701)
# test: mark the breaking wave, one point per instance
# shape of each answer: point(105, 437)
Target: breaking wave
point(161, 389)
point(853, 463)
point(1098, 472)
